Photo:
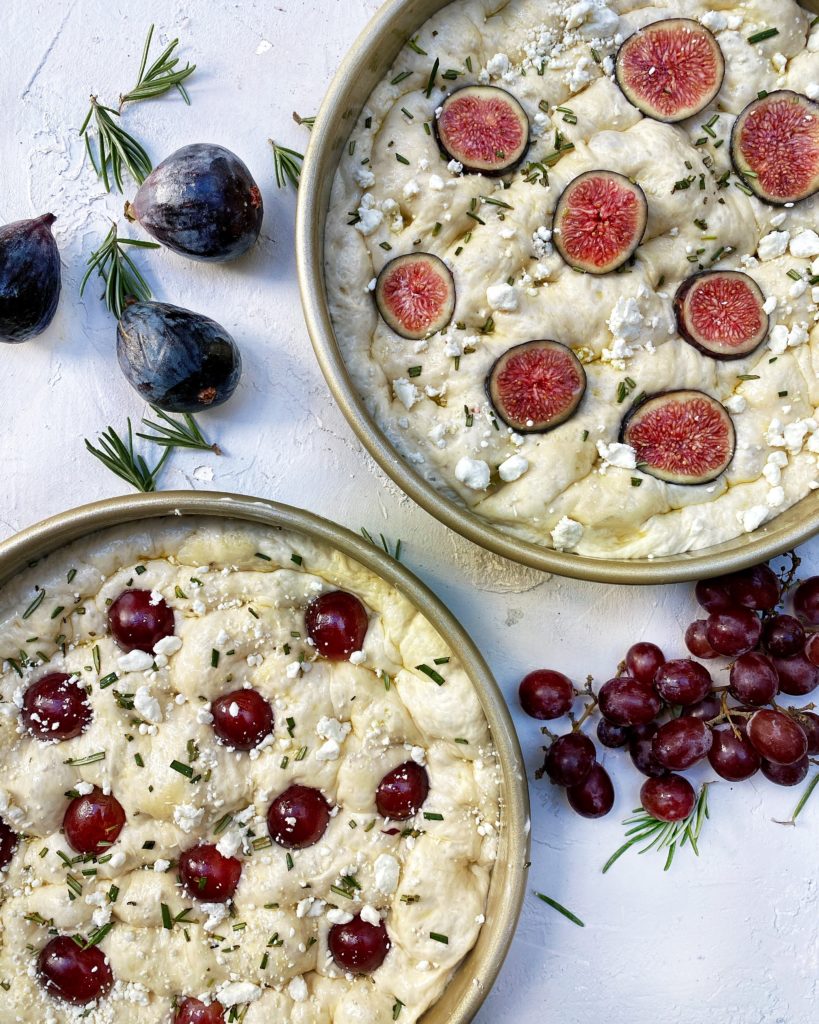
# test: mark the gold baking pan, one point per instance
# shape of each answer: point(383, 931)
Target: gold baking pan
point(471, 982)
point(365, 65)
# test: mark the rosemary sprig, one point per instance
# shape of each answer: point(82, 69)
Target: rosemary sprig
point(394, 552)
point(287, 163)
point(124, 462)
point(115, 148)
point(560, 909)
point(160, 76)
point(121, 275)
point(802, 801)
point(663, 835)
point(170, 433)
point(308, 122)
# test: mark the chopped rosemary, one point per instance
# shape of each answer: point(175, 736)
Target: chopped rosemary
point(397, 1007)
point(760, 37)
point(76, 762)
point(108, 680)
point(432, 76)
point(400, 77)
point(296, 559)
point(436, 677)
point(413, 45)
point(437, 937)
point(183, 769)
point(35, 604)
point(560, 909)
point(287, 165)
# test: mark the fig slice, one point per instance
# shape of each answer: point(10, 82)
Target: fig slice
point(681, 437)
point(536, 386)
point(670, 69)
point(775, 147)
point(599, 221)
point(721, 313)
point(484, 128)
point(415, 295)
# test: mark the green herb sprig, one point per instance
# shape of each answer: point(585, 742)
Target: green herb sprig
point(161, 76)
point(642, 827)
point(287, 164)
point(122, 277)
point(119, 456)
point(560, 909)
point(171, 433)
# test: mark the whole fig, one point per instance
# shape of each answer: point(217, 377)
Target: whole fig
point(201, 202)
point(178, 360)
point(29, 278)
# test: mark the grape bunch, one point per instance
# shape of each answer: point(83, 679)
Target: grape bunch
point(670, 715)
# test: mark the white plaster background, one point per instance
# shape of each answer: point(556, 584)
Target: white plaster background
point(730, 937)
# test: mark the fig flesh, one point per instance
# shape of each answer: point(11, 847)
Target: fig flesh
point(681, 437)
point(177, 360)
point(29, 278)
point(484, 128)
point(775, 147)
point(200, 202)
point(671, 69)
point(599, 221)
point(415, 295)
point(721, 312)
point(536, 386)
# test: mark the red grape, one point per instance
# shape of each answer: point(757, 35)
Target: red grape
point(643, 660)
point(682, 742)
point(806, 600)
point(359, 947)
point(56, 707)
point(611, 735)
point(9, 841)
point(624, 701)
point(783, 635)
point(337, 624)
point(786, 774)
point(753, 679)
point(207, 875)
point(193, 1011)
point(640, 749)
point(733, 632)
point(93, 823)
point(545, 694)
point(242, 719)
point(298, 817)
point(668, 798)
point(696, 640)
point(713, 595)
point(756, 588)
point(137, 623)
point(402, 792)
point(78, 976)
point(797, 675)
point(809, 723)
point(705, 710)
point(594, 796)
point(683, 682)
point(812, 649)
point(732, 756)
point(777, 737)
point(570, 759)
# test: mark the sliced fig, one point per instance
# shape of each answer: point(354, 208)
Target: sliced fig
point(201, 202)
point(484, 128)
point(536, 386)
point(29, 278)
point(670, 69)
point(775, 147)
point(682, 437)
point(415, 295)
point(721, 312)
point(599, 221)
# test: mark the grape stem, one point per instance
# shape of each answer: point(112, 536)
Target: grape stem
point(587, 711)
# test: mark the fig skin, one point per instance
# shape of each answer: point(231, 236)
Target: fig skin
point(201, 202)
point(177, 360)
point(30, 278)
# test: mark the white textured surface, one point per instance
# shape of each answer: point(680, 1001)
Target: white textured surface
point(731, 937)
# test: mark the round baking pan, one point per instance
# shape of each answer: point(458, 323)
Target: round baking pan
point(471, 982)
point(365, 65)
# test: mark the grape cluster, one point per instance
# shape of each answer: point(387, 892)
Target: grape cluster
point(670, 715)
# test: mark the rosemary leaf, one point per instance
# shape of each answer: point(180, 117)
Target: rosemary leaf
point(119, 456)
point(560, 909)
point(161, 76)
point(170, 433)
point(122, 278)
point(287, 164)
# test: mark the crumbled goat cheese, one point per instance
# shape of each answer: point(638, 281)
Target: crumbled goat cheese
point(473, 473)
point(774, 244)
point(237, 992)
point(502, 297)
point(135, 661)
point(753, 517)
point(386, 872)
point(147, 706)
point(370, 915)
point(567, 534)
point(369, 218)
point(297, 989)
point(513, 468)
point(498, 65)
point(406, 392)
point(805, 244)
point(621, 456)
